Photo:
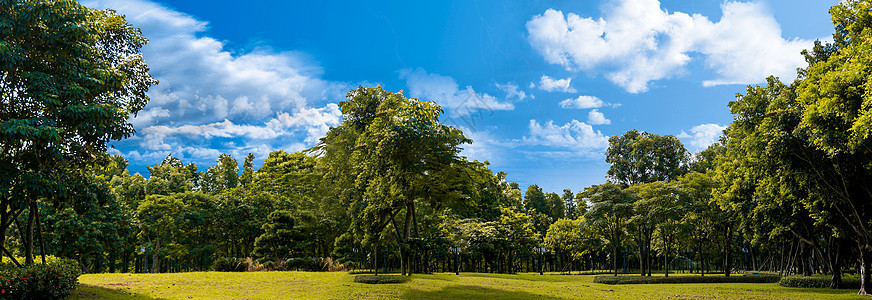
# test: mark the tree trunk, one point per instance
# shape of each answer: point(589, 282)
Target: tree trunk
point(407, 234)
point(39, 233)
point(753, 257)
point(28, 237)
point(155, 260)
point(728, 258)
point(641, 253)
point(865, 264)
point(125, 261)
point(835, 264)
point(4, 218)
point(614, 259)
point(648, 259)
point(666, 258)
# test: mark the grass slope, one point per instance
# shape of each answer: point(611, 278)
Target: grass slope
point(340, 285)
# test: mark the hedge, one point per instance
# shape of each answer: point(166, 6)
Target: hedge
point(685, 279)
point(818, 281)
point(373, 279)
point(54, 280)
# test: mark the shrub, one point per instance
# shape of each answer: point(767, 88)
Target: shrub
point(54, 280)
point(685, 279)
point(227, 264)
point(818, 281)
point(380, 279)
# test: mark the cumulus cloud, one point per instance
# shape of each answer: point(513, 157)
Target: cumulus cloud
point(548, 84)
point(214, 100)
point(701, 136)
point(445, 91)
point(582, 102)
point(636, 42)
point(575, 138)
point(512, 91)
point(595, 117)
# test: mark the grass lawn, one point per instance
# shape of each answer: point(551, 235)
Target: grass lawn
point(340, 285)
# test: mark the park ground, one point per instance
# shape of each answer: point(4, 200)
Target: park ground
point(341, 285)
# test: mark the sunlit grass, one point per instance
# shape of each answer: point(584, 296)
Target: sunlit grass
point(340, 285)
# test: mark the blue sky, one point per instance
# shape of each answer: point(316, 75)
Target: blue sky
point(539, 86)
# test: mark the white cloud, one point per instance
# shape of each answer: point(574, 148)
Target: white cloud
point(595, 117)
point(702, 136)
point(445, 91)
point(213, 100)
point(548, 84)
point(575, 136)
point(582, 102)
point(512, 91)
point(636, 42)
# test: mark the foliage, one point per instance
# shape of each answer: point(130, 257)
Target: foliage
point(280, 238)
point(70, 77)
point(611, 208)
point(53, 280)
point(564, 238)
point(222, 176)
point(229, 264)
point(645, 157)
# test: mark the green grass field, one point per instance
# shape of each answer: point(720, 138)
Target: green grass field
point(340, 285)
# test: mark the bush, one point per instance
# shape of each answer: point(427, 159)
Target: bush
point(54, 280)
point(818, 281)
point(380, 279)
point(685, 279)
point(227, 264)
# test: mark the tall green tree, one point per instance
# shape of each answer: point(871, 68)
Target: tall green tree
point(837, 119)
point(398, 144)
point(247, 170)
point(569, 204)
point(556, 209)
point(224, 175)
point(640, 157)
point(70, 77)
point(534, 199)
point(611, 208)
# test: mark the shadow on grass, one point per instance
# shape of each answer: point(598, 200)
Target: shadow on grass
point(471, 292)
point(84, 291)
point(523, 276)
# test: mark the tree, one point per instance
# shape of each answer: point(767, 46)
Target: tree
point(172, 176)
point(568, 199)
point(280, 238)
point(179, 227)
point(70, 78)
point(398, 144)
point(660, 208)
point(611, 207)
point(241, 215)
point(564, 238)
point(702, 213)
point(837, 119)
point(581, 205)
point(222, 176)
point(247, 170)
point(645, 157)
point(290, 177)
point(534, 199)
point(556, 209)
